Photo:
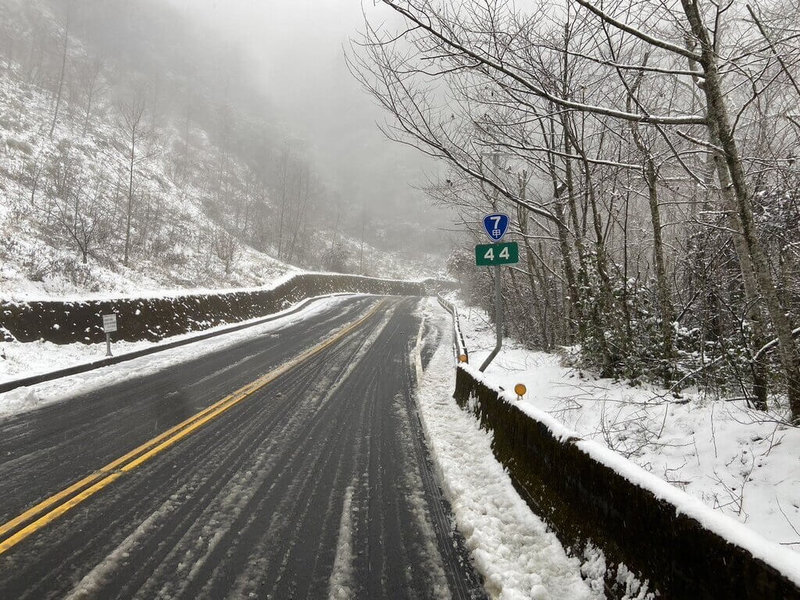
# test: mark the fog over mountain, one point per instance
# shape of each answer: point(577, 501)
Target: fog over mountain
point(197, 144)
point(295, 52)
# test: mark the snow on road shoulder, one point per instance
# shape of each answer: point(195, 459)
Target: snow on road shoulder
point(341, 581)
point(511, 547)
point(42, 357)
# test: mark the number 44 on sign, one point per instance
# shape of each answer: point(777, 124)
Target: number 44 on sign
point(490, 255)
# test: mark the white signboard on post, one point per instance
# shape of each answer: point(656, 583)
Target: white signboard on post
point(109, 323)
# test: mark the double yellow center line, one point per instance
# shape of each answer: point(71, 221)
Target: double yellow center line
point(37, 517)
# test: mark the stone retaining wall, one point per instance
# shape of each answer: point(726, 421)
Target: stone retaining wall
point(154, 319)
point(586, 501)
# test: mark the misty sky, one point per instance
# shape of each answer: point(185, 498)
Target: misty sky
point(297, 46)
point(297, 51)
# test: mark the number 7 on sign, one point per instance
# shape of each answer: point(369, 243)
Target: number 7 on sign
point(496, 226)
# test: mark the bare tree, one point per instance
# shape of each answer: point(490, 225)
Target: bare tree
point(548, 87)
point(131, 111)
point(62, 75)
point(89, 76)
point(226, 248)
point(83, 218)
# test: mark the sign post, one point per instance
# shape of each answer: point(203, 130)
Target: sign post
point(109, 326)
point(495, 255)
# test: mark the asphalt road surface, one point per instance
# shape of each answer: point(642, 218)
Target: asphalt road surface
point(291, 465)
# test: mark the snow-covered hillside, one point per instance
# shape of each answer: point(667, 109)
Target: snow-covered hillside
point(66, 194)
point(115, 179)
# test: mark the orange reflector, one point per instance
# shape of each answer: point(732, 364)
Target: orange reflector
point(463, 358)
point(520, 389)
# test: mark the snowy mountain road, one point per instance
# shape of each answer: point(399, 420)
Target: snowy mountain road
point(305, 475)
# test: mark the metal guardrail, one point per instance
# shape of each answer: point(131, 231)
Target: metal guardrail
point(459, 346)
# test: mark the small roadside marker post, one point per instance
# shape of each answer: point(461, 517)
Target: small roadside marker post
point(496, 254)
point(109, 326)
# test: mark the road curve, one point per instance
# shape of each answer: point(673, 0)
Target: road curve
point(315, 485)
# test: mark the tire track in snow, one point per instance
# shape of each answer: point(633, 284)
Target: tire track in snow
point(267, 500)
point(337, 434)
point(202, 487)
point(284, 437)
point(49, 448)
point(293, 426)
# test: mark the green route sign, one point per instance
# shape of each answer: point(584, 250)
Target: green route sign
point(492, 255)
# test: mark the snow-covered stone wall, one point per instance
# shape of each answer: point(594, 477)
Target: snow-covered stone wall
point(593, 498)
point(64, 322)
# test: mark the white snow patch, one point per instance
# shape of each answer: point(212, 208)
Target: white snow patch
point(634, 589)
point(94, 581)
point(414, 492)
point(510, 546)
point(341, 582)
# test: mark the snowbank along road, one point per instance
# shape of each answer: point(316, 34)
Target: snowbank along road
point(289, 465)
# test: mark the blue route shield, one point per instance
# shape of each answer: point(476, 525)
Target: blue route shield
point(496, 226)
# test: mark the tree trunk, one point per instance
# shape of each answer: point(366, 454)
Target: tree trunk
point(719, 123)
point(59, 93)
point(88, 111)
point(573, 313)
point(582, 279)
point(664, 292)
point(752, 296)
point(537, 297)
point(569, 270)
point(129, 211)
